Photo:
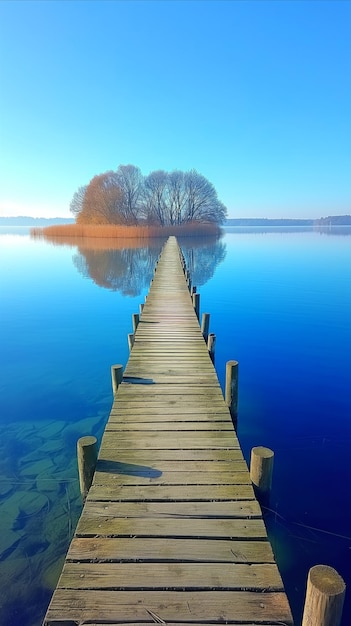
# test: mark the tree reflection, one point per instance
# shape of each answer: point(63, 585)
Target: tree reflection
point(202, 256)
point(127, 270)
point(128, 265)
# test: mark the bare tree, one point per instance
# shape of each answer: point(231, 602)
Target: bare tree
point(176, 197)
point(130, 180)
point(76, 205)
point(201, 200)
point(154, 196)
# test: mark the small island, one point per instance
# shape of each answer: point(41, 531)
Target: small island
point(126, 204)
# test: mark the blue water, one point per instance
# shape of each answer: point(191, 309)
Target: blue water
point(280, 304)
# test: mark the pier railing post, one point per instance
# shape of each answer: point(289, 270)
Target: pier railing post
point(86, 456)
point(324, 597)
point(135, 321)
point(116, 377)
point(261, 471)
point(205, 325)
point(231, 387)
point(211, 346)
point(196, 303)
point(130, 341)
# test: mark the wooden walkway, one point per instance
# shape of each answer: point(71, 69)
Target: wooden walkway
point(171, 532)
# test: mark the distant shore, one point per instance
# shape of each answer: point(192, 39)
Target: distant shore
point(332, 220)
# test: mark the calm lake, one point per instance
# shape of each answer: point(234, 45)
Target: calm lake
point(280, 303)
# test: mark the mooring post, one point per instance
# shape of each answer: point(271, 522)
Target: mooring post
point(116, 376)
point(211, 346)
point(261, 470)
point(196, 303)
point(86, 456)
point(231, 387)
point(205, 325)
point(130, 341)
point(135, 321)
point(325, 595)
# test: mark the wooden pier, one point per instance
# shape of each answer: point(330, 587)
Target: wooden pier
point(171, 532)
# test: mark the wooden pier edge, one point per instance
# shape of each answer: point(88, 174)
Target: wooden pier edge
point(171, 531)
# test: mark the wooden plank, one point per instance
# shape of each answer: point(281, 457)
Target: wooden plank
point(171, 439)
point(152, 414)
point(147, 457)
point(118, 466)
point(169, 527)
point(167, 606)
point(168, 549)
point(169, 392)
point(232, 509)
point(126, 426)
point(155, 477)
point(170, 493)
point(184, 576)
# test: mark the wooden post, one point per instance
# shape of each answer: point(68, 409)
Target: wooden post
point(130, 341)
point(205, 325)
point(193, 290)
point(196, 303)
point(261, 470)
point(116, 376)
point(211, 345)
point(141, 307)
point(324, 597)
point(135, 320)
point(231, 387)
point(86, 456)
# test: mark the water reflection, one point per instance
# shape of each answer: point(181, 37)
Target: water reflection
point(202, 257)
point(334, 230)
point(323, 230)
point(129, 269)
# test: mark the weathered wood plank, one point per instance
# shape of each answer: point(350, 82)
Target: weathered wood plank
point(185, 406)
point(232, 509)
point(185, 576)
point(143, 476)
point(170, 492)
point(169, 527)
point(169, 606)
point(126, 426)
point(169, 392)
point(148, 457)
point(117, 466)
point(169, 549)
point(171, 440)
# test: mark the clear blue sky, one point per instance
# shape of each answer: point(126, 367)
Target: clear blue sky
point(254, 95)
